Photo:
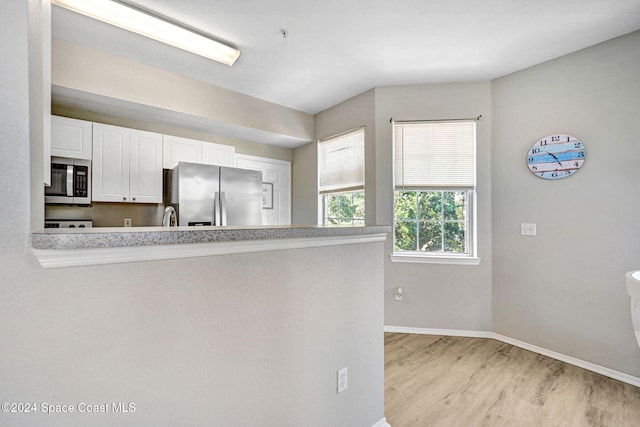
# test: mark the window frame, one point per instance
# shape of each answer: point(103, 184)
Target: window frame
point(470, 256)
point(358, 132)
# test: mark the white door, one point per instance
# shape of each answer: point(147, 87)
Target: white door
point(110, 179)
point(145, 185)
point(276, 178)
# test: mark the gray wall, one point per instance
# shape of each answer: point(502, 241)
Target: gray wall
point(436, 296)
point(243, 340)
point(351, 114)
point(564, 289)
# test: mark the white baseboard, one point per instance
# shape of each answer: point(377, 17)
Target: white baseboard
point(381, 423)
point(620, 376)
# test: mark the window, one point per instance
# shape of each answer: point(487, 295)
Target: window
point(434, 183)
point(343, 208)
point(341, 178)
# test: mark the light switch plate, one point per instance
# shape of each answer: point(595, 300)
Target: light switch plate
point(527, 229)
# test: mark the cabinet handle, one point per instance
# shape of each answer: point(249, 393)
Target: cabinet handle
point(134, 199)
point(124, 198)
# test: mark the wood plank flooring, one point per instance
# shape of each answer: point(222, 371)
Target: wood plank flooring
point(437, 381)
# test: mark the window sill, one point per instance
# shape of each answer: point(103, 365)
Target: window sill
point(424, 259)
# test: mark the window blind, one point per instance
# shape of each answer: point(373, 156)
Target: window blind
point(434, 155)
point(341, 162)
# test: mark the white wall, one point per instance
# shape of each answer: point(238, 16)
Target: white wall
point(239, 340)
point(564, 289)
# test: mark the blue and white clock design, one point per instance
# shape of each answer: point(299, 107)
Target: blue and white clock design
point(556, 156)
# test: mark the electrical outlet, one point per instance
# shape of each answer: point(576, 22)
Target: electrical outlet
point(127, 222)
point(527, 229)
point(343, 379)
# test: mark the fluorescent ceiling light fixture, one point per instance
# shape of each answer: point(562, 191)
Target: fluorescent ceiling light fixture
point(137, 21)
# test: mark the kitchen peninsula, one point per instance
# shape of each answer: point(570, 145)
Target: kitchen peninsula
point(262, 316)
point(110, 245)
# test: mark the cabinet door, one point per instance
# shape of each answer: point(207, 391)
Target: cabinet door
point(176, 149)
point(70, 138)
point(111, 146)
point(217, 154)
point(145, 176)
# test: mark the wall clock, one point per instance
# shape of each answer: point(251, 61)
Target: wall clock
point(556, 156)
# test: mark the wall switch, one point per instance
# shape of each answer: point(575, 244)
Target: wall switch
point(343, 380)
point(398, 294)
point(127, 222)
point(527, 229)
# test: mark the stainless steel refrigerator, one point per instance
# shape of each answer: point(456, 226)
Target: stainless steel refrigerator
point(214, 195)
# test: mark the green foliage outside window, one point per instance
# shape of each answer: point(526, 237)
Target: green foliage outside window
point(431, 221)
point(344, 208)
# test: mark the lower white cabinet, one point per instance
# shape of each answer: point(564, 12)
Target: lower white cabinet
point(127, 165)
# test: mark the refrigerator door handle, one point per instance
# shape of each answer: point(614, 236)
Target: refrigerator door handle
point(223, 209)
point(216, 208)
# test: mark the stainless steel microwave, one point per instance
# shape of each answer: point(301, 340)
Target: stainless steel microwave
point(70, 182)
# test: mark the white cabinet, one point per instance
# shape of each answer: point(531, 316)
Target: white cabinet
point(145, 167)
point(127, 165)
point(70, 138)
point(176, 149)
point(217, 154)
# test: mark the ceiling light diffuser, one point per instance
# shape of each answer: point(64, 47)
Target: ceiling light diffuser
point(139, 22)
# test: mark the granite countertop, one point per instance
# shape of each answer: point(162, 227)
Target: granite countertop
point(119, 237)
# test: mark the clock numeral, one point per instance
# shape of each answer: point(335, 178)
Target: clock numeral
point(555, 138)
point(543, 142)
point(534, 168)
point(535, 151)
point(580, 154)
point(554, 174)
point(530, 159)
point(577, 164)
point(577, 145)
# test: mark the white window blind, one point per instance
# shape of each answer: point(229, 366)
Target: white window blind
point(434, 155)
point(341, 162)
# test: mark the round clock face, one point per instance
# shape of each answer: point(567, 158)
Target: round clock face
point(556, 156)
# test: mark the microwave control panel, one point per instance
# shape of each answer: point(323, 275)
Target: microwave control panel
point(80, 181)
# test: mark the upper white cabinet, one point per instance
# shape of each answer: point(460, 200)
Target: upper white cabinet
point(217, 154)
point(70, 138)
point(127, 165)
point(176, 149)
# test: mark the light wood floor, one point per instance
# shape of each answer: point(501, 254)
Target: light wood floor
point(451, 381)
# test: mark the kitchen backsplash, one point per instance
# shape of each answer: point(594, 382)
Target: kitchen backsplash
point(110, 214)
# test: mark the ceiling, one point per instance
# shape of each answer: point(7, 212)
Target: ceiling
point(336, 49)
